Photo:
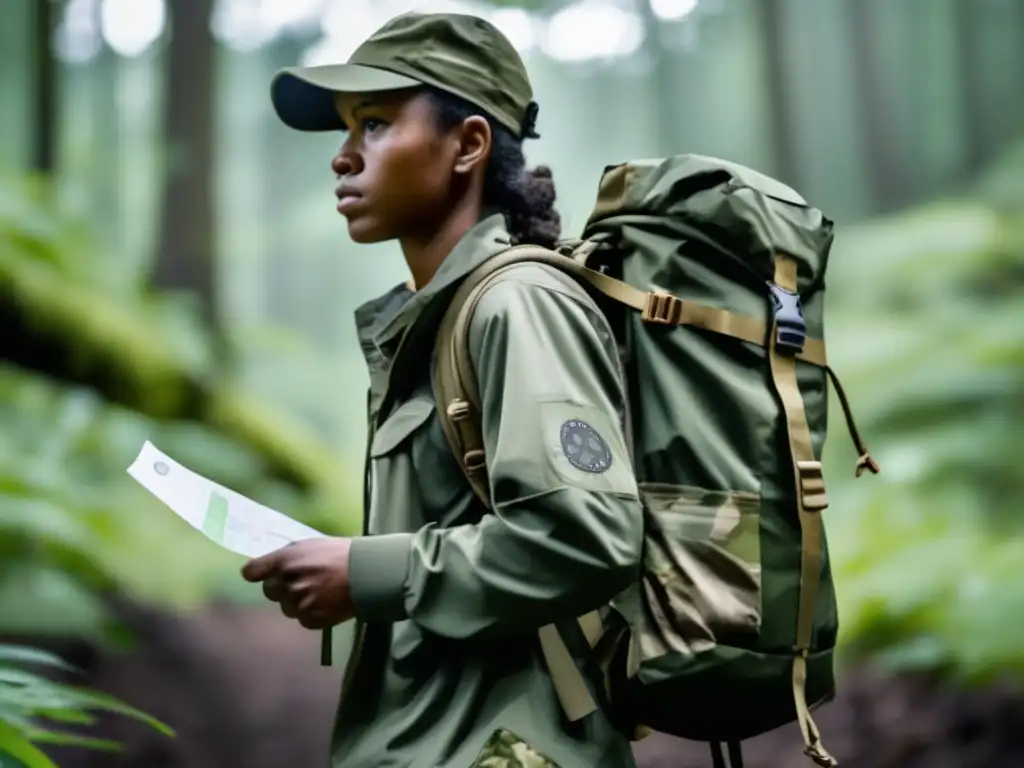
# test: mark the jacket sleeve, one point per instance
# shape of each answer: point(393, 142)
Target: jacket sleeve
point(565, 535)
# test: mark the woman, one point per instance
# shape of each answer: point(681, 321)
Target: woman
point(446, 672)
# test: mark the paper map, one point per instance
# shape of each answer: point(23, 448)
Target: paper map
point(227, 518)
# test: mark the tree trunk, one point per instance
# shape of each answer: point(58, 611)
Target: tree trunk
point(881, 150)
point(185, 255)
point(773, 24)
point(44, 130)
point(663, 84)
point(284, 298)
point(976, 127)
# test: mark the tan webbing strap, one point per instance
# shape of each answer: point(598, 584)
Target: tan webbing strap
point(455, 388)
point(657, 308)
point(664, 308)
point(592, 627)
point(811, 501)
point(566, 678)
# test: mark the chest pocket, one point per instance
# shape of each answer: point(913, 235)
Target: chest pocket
point(416, 480)
point(395, 504)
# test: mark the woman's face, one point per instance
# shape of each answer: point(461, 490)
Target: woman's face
point(396, 171)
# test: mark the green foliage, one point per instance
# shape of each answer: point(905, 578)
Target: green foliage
point(47, 258)
point(138, 349)
point(75, 526)
point(926, 331)
point(36, 711)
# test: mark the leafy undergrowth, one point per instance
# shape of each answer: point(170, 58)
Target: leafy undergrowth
point(927, 331)
point(36, 711)
point(75, 524)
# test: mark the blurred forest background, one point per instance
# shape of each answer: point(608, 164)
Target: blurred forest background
point(172, 268)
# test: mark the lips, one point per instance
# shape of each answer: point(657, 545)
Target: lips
point(347, 198)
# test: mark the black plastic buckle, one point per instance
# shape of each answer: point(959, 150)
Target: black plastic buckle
point(790, 328)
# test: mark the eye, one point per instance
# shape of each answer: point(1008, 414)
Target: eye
point(371, 124)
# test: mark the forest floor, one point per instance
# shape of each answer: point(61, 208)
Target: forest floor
point(244, 689)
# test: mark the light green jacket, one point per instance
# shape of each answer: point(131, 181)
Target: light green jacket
point(447, 671)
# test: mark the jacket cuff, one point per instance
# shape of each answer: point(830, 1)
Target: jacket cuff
point(378, 567)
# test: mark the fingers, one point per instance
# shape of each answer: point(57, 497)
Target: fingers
point(286, 594)
point(283, 588)
point(275, 588)
point(260, 568)
point(297, 601)
point(302, 608)
point(289, 609)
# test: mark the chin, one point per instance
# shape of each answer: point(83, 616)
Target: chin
point(367, 232)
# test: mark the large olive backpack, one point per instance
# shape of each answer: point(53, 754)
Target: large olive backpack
point(713, 277)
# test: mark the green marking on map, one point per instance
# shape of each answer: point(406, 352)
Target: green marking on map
point(216, 519)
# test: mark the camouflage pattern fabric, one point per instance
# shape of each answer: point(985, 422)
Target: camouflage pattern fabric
point(703, 568)
point(506, 750)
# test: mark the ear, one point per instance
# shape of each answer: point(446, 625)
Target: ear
point(474, 144)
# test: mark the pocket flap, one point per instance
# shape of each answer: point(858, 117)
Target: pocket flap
point(408, 418)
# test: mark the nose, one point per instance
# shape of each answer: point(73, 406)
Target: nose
point(346, 162)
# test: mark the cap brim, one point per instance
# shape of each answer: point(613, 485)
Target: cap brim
point(303, 97)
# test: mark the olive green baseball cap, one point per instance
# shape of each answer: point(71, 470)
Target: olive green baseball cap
point(464, 55)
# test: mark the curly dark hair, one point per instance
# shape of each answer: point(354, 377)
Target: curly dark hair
point(525, 197)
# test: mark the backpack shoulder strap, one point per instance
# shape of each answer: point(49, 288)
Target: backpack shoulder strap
point(455, 384)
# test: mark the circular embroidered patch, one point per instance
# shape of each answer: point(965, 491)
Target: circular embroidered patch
point(584, 447)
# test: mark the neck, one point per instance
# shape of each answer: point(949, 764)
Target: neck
point(424, 254)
